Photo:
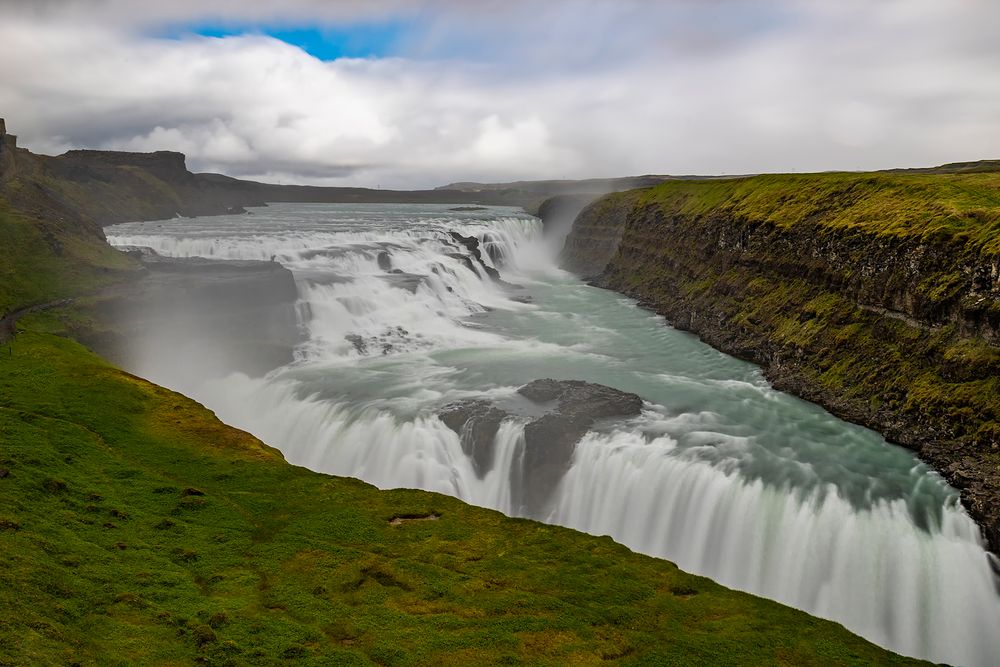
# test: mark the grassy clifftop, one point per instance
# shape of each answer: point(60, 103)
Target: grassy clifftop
point(47, 258)
point(928, 207)
point(876, 295)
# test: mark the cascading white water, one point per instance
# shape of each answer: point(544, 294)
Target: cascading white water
point(721, 474)
point(918, 592)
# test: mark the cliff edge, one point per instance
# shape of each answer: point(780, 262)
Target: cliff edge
point(875, 295)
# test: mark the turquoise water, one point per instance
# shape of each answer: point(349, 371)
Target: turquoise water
point(721, 473)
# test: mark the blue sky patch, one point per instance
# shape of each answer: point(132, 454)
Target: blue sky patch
point(368, 40)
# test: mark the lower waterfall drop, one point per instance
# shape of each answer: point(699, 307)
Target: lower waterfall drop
point(721, 474)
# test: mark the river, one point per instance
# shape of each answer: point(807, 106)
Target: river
point(721, 474)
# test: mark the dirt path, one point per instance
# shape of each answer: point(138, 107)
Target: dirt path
point(8, 323)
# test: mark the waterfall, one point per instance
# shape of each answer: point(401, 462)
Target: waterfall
point(722, 475)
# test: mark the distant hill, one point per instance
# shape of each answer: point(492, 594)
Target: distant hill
point(976, 167)
point(108, 187)
point(554, 187)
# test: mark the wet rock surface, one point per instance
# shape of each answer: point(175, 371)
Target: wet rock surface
point(471, 244)
point(384, 261)
point(389, 340)
point(476, 423)
point(408, 281)
point(568, 409)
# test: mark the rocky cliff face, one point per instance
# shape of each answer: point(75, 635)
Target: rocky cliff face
point(887, 320)
point(196, 318)
point(107, 187)
point(8, 146)
point(168, 166)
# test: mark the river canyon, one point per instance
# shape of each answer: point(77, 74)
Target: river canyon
point(404, 310)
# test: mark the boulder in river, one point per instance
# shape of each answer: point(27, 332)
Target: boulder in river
point(476, 423)
point(569, 408)
point(384, 261)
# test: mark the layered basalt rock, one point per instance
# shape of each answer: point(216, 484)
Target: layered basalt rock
point(895, 330)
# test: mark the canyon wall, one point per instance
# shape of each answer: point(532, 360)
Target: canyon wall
point(875, 295)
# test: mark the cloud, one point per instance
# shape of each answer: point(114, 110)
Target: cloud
point(495, 91)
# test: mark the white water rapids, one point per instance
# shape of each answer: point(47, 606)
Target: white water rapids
point(721, 474)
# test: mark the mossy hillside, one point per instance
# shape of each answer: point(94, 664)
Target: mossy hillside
point(930, 207)
point(135, 529)
point(42, 259)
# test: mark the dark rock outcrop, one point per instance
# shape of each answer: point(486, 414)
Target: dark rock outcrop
point(8, 148)
point(550, 440)
point(476, 423)
point(384, 261)
point(168, 166)
point(569, 408)
point(475, 258)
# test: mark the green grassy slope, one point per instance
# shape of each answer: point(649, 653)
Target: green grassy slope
point(42, 259)
point(930, 207)
point(135, 528)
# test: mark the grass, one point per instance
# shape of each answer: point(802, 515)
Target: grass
point(137, 529)
point(43, 260)
point(932, 207)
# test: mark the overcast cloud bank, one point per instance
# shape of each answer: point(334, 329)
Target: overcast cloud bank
point(497, 91)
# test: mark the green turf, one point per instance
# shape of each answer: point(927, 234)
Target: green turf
point(137, 529)
point(932, 207)
point(42, 259)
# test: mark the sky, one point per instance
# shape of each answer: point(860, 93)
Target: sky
point(406, 94)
